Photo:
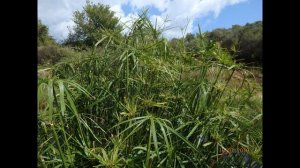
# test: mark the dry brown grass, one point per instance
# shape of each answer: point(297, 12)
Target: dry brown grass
point(45, 73)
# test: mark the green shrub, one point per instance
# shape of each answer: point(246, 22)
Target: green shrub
point(43, 35)
point(53, 54)
point(139, 103)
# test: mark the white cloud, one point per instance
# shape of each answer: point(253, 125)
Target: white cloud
point(62, 28)
point(57, 14)
point(184, 13)
point(161, 5)
point(158, 21)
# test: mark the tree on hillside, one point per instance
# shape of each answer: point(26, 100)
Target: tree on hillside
point(247, 40)
point(89, 24)
point(190, 43)
point(250, 43)
point(43, 35)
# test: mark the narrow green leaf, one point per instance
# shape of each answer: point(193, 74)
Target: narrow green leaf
point(206, 144)
point(153, 131)
point(62, 97)
point(182, 138)
point(193, 130)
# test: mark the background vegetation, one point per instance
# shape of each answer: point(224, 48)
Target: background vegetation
point(139, 100)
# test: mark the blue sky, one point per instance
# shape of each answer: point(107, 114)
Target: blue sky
point(247, 12)
point(210, 14)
